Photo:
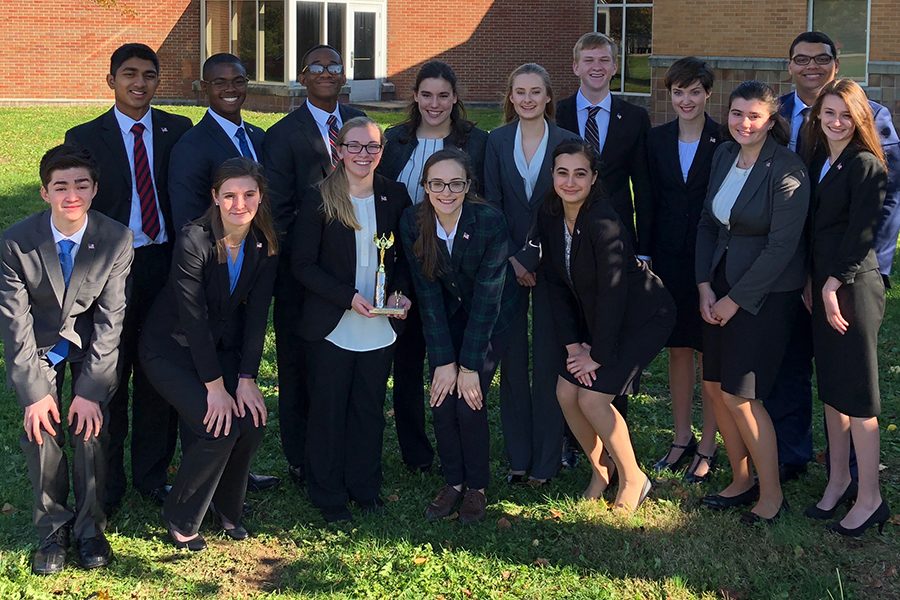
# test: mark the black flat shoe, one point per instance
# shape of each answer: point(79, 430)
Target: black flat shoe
point(687, 451)
point(719, 502)
point(814, 512)
point(259, 483)
point(195, 544)
point(50, 557)
point(751, 518)
point(692, 477)
point(879, 518)
point(238, 532)
point(93, 552)
point(516, 478)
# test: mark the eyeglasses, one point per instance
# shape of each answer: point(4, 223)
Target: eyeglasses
point(238, 83)
point(317, 69)
point(356, 147)
point(820, 59)
point(456, 186)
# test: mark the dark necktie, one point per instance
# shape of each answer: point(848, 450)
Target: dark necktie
point(591, 131)
point(805, 114)
point(332, 138)
point(242, 142)
point(61, 350)
point(144, 184)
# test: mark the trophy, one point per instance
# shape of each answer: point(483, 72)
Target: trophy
point(383, 243)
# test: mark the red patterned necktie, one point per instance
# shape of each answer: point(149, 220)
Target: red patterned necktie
point(332, 138)
point(144, 184)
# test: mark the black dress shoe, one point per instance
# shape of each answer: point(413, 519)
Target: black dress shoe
point(336, 514)
point(719, 502)
point(158, 495)
point(516, 478)
point(814, 512)
point(93, 552)
point(50, 557)
point(297, 474)
point(195, 544)
point(237, 532)
point(879, 517)
point(258, 483)
point(751, 518)
point(687, 451)
point(790, 472)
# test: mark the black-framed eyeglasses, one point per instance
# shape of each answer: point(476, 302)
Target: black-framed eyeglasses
point(820, 59)
point(356, 147)
point(237, 83)
point(317, 69)
point(456, 186)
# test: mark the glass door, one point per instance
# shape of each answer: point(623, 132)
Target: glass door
point(364, 51)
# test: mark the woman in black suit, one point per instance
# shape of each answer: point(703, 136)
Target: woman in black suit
point(457, 249)
point(517, 166)
point(612, 315)
point(680, 153)
point(436, 120)
point(846, 296)
point(750, 267)
point(204, 350)
point(349, 345)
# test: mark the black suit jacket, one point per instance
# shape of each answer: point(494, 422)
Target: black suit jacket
point(765, 253)
point(503, 186)
point(194, 161)
point(103, 139)
point(400, 146)
point(610, 293)
point(296, 158)
point(324, 258)
point(624, 157)
point(844, 211)
point(195, 317)
point(677, 203)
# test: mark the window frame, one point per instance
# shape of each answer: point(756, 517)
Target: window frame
point(625, 5)
point(809, 26)
point(260, 65)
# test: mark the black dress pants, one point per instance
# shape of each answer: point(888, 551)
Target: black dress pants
point(346, 423)
point(48, 468)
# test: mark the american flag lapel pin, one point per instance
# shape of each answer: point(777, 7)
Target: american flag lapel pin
point(259, 244)
point(577, 232)
point(465, 235)
point(712, 140)
point(383, 198)
point(90, 246)
point(618, 115)
point(164, 129)
point(839, 166)
point(768, 164)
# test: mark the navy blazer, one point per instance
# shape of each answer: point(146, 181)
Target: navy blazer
point(624, 159)
point(194, 161)
point(323, 258)
point(504, 187)
point(400, 146)
point(766, 226)
point(677, 203)
point(296, 158)
point(103, 139)
point(889, 223)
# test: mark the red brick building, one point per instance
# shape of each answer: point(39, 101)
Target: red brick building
point(59, 51)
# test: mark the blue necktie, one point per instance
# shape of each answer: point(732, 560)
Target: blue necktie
point(61, 350)
point(242, 142)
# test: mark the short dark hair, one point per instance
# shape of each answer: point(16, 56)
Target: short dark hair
point(762, 92)
point(685, 71)
point(813, 37)
point(126, 51)
point(222, 58)
point(319, 47)
point(67, 156)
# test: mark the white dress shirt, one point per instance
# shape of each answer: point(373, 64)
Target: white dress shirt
point(447, 236)
point(583, 105)
point(411, 175)
point(75, 237)
point(728, 193)
point(230, 130)
point(321, 118)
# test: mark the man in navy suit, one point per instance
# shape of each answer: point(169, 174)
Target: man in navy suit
point(131, 143)
point(813, 63)
point(300, 151)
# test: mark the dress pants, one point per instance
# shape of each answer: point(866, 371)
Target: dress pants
point(154, 430)
point(212, 468)
point(531, 417)
point(346, 423)
point(48, 468)
point(293, 395)
point(409, 396)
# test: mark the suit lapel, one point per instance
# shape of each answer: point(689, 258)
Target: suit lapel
point(758, 174)
point(708, 140)
point(252, 249)
point(257, 136)
point(162, 140)
point(513, 177)
point(615, 129)
point(311, 130)
point(50, 256)
point(464, 233)
point(718, 177)
point(112, 137)
point(83, 261)
point(554, 137)
point(218, 134)
point(835, 169)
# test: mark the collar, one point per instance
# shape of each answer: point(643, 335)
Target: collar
point(75, 237)
point(126, 122)
point(582, 103)
point(441, 233)
point(799, 105)
point(321, 116)
point(229, 127)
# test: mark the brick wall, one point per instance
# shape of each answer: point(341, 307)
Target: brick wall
point(60, 50)
point(484, 40)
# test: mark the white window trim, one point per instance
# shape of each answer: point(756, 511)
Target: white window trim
point(290, 41)
point(597, 5)
point(809, 26)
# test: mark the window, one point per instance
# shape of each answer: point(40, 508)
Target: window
point(847, 23)
point(630, 24)
point(320, 23)
point(253, 30)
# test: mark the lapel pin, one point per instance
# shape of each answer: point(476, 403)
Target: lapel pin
point(91, 246)
point(712, 140)
point(839, 166)
point(577, 232)
point(465, 236)
point(618, 115)
point(768, 164)
point(383, 198)
point(164, 129)
point(259, 244)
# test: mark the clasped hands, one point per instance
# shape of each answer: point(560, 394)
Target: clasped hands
point(362, 306)
point(715, 312)
point(86, 414)
point(580, 364)
point(465, 381)
point(221, 407)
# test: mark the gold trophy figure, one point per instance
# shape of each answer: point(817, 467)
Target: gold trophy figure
point(383, 243)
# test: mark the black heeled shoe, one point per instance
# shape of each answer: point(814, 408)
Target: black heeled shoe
point(238, 532)
point(719, 502)
point(687, 450)
point(751, 518)
point(879, 517)
point(814, 512)
point(195, 544)
point(691, 476)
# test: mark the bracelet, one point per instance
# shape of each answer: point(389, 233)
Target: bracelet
point(462, 369)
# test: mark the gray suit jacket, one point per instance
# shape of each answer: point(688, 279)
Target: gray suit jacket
point(765, 253)
point(36, 309)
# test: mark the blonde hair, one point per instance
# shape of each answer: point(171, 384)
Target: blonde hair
point(335, 188)
point(509, 111)
point(592, 40)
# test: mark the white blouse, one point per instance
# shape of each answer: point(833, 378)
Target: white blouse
point(530, 171)
point(411, 175)
point(727, 195)
point(686, 153)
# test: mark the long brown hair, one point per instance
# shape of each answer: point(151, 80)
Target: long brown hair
point(460, 125)
point(335, 188)
point(761, 92)
point(425, 248)
point(865, 135)
point(262, 224)
point(509, 111)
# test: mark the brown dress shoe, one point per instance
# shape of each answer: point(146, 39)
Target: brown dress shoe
point(443, 504)
point(472, 508)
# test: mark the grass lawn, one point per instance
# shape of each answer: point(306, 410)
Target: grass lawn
point(534, 544)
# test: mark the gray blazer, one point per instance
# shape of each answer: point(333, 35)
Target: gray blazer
point(504, 187)
point(765, 253)
point(36, 309)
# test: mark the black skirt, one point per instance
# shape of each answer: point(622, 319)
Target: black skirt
point(677, 274)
